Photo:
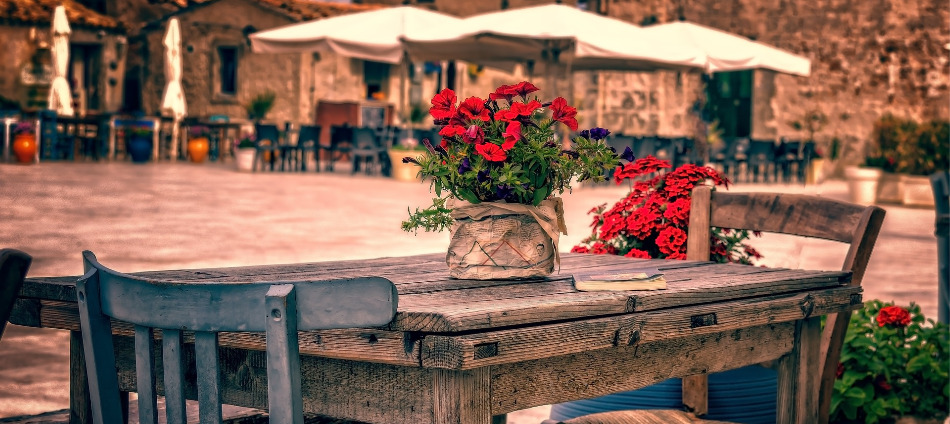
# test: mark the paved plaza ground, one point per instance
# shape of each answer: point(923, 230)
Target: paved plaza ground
point(182, 215)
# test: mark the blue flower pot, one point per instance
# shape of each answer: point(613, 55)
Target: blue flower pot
point(140, 148)
point(744, 395)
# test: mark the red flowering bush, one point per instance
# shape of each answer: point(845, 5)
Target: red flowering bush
point(505, 149)
point(651, 221)
point(894, 363)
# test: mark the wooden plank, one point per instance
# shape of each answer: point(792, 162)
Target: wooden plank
point(283, 357)
point(145, 375)
point(584, 375)
point(520, 344)
point(206, 364)
point(80, 405)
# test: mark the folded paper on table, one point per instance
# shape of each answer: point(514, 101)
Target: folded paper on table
point(650, 279)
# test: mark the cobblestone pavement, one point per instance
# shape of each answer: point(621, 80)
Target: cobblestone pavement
point(173, 216)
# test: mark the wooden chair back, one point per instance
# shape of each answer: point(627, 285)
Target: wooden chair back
point(13, 267)
point(279, 309)
point(793, 214)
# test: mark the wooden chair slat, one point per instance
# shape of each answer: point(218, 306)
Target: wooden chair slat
point(13, 267)
point(145, 374)
point(206, 361)
point(172, 358)
point(100, 357)
point(283, 358)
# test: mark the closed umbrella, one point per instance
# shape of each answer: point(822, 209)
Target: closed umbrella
point(60, 99)
point(173, 101)
point(722, 51)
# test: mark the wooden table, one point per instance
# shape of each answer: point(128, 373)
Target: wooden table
point(464, 351)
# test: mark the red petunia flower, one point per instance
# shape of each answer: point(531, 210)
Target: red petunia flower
point(512, 135)
point(524, 88)
point(443, 104)
point(503, 92)
point(474, 108)
point(563, 113)
point(523, 109)
point(491, 152)
point(893, 315)
point(474, 135)
point(452, 131)
point(506, 115)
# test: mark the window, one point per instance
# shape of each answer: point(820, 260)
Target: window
point(227, 70)
point(376, 78)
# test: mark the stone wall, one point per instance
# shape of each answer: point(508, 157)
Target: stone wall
point(868, 58)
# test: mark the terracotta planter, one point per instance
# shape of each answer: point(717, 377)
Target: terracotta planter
point(244, 159)
point(404, 171)
point(24, 147)
point(862, 184)
point(198, 149)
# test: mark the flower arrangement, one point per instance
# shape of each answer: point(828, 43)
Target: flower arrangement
point(894, 363)
point(140, 131)
point(199, 131)
point(247, 140)
point(23, 127)
point(651, 221)
point(504, 149)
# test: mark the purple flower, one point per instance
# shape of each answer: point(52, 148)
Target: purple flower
point(585, 134)
point(483, 176)
point(502, 191)
point(464, 166)
point(598, 133)
point(410, 159)
point(627, 155)
point(23, 127)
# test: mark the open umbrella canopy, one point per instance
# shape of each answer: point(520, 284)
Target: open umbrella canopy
point(60, 98)
point(722, 51)
point(173, 101)
point(551, 34)
point(372, 35)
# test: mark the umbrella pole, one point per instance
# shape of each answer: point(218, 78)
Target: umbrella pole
point(174, 146)
point(404, 94)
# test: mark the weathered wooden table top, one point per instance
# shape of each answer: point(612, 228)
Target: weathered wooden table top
point(460, 324)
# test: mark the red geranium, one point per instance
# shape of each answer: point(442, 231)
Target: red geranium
point(651, 221)
point(893, 315)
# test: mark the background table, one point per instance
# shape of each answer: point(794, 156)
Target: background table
point(462, 351)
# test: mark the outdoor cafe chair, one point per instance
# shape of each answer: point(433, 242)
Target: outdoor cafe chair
point(792, 158)
point(736, 156)
point(308, 141)
point(267, 145)
point(13, 267)
point(203, 312)
point(341, 143)
point(792, 214)
point(368, 150)
point(760, 158)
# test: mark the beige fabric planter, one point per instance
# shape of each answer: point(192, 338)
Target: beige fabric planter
point(497, 240)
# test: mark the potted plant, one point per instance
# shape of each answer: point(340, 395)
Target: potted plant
point(406, 170)
point(24, 142)
point(894, 365)
point(260, 105)
point(921, 153)
point(887, 135)
point(497, 174)
point(245, 150)
point(139, 143)
point(198, 143)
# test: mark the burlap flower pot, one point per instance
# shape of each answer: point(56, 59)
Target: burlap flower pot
point(496, 240)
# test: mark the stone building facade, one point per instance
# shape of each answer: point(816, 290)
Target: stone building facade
point(97, 57)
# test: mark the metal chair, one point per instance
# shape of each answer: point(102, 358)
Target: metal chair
point(760, 158)
point(367, 150)
point(280, 309)
point(793, 214)
point(13, 267)
point(267, 145)
point(308, 140)
point(791, 159)
point(341, 143)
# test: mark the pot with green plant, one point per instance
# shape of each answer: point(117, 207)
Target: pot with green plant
point(921, 153)
point(139, 143)
point(260, 105)
point(409, 146)
point(497, 173)
point(245, 150)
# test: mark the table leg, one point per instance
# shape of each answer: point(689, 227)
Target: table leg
point(462, 397)
point(80, 406)
point(799, 376)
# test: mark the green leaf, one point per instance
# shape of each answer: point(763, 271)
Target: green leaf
point(468, 195)
point(539, 195)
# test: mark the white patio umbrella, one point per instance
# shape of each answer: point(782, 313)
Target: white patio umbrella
point(372, 35)
point(60, 98)
point(723, 51)
point(173, 100)
point(553, 34)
